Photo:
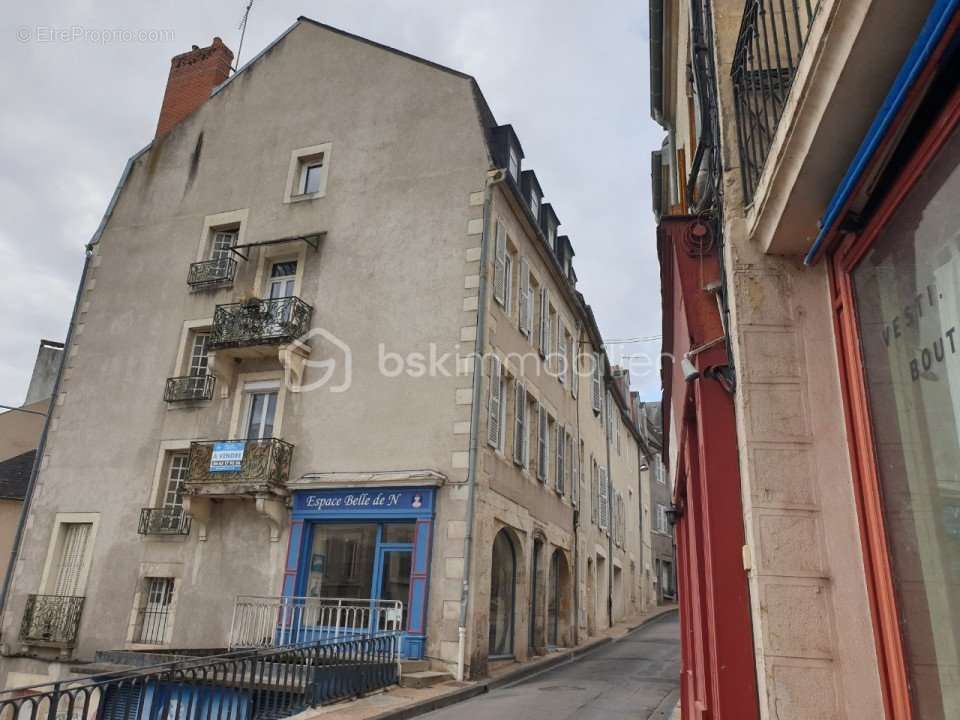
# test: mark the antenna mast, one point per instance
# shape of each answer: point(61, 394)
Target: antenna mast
point(243, 31)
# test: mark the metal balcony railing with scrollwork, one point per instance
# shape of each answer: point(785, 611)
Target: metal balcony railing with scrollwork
point(51, 620)
point(265, 464)
point(164, 521)
point(259, 322)
point(773, 35)
point(188, 388)
point(212, 273)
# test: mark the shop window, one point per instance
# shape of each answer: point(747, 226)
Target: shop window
point(503, 577)
point(341, 561)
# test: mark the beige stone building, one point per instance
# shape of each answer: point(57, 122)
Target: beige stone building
point(806, 195)
point(328, 344)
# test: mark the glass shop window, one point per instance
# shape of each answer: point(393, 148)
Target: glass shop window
point(341, 561)
point(907, 292)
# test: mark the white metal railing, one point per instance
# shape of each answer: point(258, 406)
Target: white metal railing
point(260, 621)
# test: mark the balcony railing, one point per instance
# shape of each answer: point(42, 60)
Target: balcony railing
point(187, 388)
point(164, 521)
point(212, 273)
point(277, 621)
point(259, 322)
point(773, 34)
point(263, 463)
point(51, 620)
point(259, 684)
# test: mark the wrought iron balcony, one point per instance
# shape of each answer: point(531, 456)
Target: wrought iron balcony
point(259, 322)
point(164, 521)
point(255, 465)
point(189, 388)
point(772, 38)
point(212, 273)
point(51, 620)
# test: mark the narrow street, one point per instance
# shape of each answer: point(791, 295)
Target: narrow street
point(637, 678)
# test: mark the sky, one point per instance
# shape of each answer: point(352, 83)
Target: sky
point(82, 83)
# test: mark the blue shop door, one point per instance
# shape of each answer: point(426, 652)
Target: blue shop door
point(392, 582)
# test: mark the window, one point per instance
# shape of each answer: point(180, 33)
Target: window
point(500, 265)
point(657, 470)
point(199, 359)
point(221, 243)
point(619, 425)
point(177, 473)
point(73, 553)
point(544, 322)
point(550, 342)
point(154, 614)
point(604, 499)
point(261, 414)
point(508, 287)
point(307, 176)
point(552, 236)
point(543, 443)
point(574, 366)
point(514, 164)
point(559, 469)
point(562, 358)
point(283, 277)
point(525, 299)
point(662, 525)
point(596, 390)
point(495, 404)
point(577, 470)
point(594, 491)
point(520, 450)
point(535, 203)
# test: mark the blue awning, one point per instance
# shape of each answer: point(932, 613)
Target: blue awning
point(930, 36)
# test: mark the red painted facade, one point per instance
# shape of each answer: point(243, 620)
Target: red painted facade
point(718, 675)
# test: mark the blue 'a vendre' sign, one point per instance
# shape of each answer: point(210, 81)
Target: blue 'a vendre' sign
point(227, 456)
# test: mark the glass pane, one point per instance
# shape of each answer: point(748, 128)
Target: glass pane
point(341, 561)
point(269, 415)
point(311, 182)
point(908, 309)
point(396, 579)
point(502, 578)
point(256, 413)
point(398, 532)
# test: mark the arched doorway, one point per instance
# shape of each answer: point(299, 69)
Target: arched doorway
point(558, 601)
point(503, 577)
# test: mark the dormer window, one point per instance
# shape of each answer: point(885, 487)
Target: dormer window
point(514, 166)
point(532, 192)
point(535, 204)
point(549, 222)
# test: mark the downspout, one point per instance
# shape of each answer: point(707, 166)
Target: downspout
point(610, 509)
point(42, 445)
point(493, 177)
point(576, 510)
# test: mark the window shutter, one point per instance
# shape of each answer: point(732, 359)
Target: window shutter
point(520, 432)
point(604, 499)
point(575, 365)
point(577, 471)
point(559, 465)
point(71, 559)
point(508, 283)
point(499, 265)
point(597, 392)
point(544, 321)
point(524, 297)
point(561, 351)
point(493, 419)
point(570, 462)
point(594, 491)
point(543, 443)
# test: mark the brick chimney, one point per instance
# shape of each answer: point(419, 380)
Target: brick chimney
point(192, 76)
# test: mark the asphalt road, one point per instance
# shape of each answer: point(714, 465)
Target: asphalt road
point(636, 677)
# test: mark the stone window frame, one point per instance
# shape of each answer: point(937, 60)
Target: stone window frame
point(300, 160)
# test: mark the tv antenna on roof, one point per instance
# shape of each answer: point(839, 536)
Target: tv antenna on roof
point(243, 31)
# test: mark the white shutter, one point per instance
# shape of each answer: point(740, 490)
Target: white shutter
point(575, 365)
point(508, 285)
point(496, 399)
point(561, 351)
point(596, 389)
point(604, 499)
point(525, 297)
point(499, 264)
point(594, 491)
point(569, 461)
point(543, 443)
point(544, 321)
point(577, 471)
point(71, 558)
point(520, 425)
point(558, 480)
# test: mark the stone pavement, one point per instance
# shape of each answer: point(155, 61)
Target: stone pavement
point(620, 668)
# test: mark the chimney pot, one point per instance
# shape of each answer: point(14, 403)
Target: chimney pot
point(193, 76)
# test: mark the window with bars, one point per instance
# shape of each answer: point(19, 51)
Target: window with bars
point(154, 614)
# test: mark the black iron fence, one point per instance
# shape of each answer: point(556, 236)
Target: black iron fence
point(189, 387)
point(51, 620)
point(259, 322)
point(164, 521)
point(264, 462)
point(212, 273)
point(243, 685)
point(773, 34)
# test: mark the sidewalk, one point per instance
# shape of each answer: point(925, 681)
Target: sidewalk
point(396, 703)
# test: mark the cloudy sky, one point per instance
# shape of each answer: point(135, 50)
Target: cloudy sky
point(571, 76)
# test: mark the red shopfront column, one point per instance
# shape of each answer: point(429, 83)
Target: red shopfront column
point(718, 669)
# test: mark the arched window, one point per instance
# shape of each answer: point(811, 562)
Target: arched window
point(503, 578)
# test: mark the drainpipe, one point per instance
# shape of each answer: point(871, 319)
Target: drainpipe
point(42, 445)
point(576, 511)
point(493, 177)
point(610, 511)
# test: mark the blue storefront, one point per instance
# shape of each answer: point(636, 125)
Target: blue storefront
point(369, 543)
